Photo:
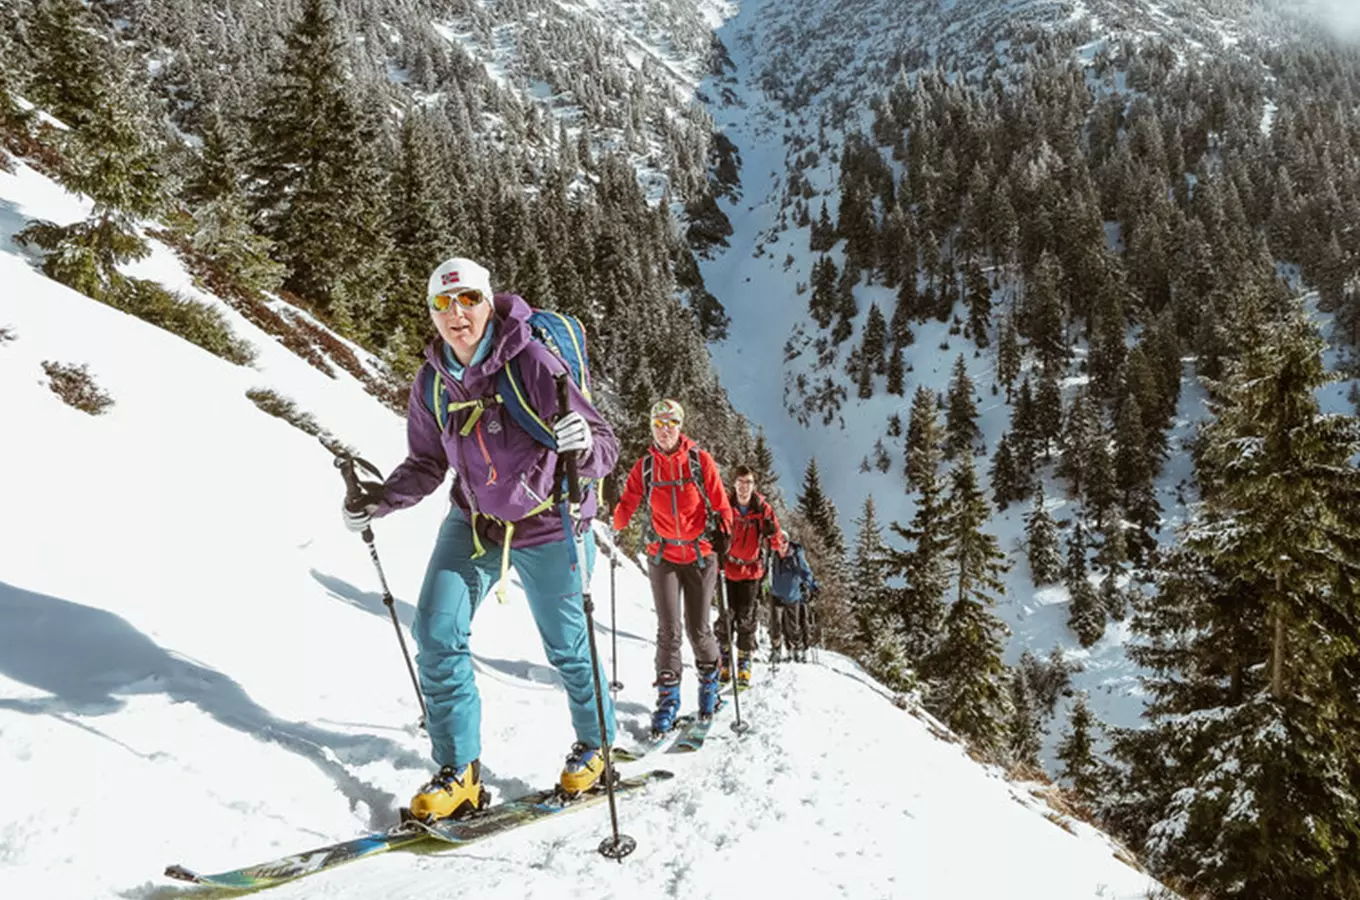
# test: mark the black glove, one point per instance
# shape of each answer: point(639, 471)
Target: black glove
point(358, 512)
point(767, 528)
point(721, 541)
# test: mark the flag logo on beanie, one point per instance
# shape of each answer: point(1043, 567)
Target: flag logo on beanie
point(449, 278)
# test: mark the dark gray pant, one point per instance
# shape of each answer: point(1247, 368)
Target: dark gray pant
point(670, 582)
point(743, 600)
point(790, 621)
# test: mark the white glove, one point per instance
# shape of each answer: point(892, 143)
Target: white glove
point(356, 520)
point(573, 433)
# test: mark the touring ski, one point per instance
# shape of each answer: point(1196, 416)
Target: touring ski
point(651, 744)
point(496, 819)
point(692, 736)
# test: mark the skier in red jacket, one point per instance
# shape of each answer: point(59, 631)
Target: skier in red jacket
point(755, 529)
point(687, 514)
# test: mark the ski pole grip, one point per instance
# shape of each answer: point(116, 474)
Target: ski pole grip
point(564, 407)
point(352, 490)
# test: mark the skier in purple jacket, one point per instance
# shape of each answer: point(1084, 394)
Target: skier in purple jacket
point(502, 515)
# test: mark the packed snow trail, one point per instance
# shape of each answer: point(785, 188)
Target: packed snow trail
point(836, 792)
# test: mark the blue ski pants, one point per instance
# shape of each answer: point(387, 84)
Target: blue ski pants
point(454, 587)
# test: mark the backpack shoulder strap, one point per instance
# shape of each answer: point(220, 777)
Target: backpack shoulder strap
point(515, 397)
point(432, 390)
point(696, 472)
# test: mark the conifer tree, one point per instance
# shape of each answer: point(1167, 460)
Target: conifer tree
point(822, 236)
point(925, 439)
point(908, 291)
point(1025, 431)
point(864, 374)
point(1024, 733)
point(923, 568)
point(1085, 613)
point(318, 181)
point(846, 306)
point(1048, 417)
point(1266, 570)
point(1009, 356)
point(966, 688)
point(1041, 543)
point(978, 294)
point(218, 169)
point(1131, 465)
point(1145, 515)
point(1108, 352)
point(1005, 475)
point(1074, 569)
point(1080, 767)
point(897, 374)
point(822, 302)
point(1079, 434)
point(419, 225)
point(767, 478)
point(867, 576)
point(69, 64)
point(874, 350)
point(111, 153)
point(961, 428)
point(222, 233)
point(1101, 490)
point(1045, 328)
point(819, 511)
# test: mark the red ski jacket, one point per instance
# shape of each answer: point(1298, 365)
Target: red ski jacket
point(678, 514)
point(751, 530)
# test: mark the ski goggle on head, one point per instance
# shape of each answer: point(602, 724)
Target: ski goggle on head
point(465, 299)
point(667, 413)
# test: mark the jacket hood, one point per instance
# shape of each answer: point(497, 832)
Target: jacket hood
point(512, 335)
point(681, 449)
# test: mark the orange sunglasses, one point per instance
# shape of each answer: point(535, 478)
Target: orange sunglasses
point(465, 299)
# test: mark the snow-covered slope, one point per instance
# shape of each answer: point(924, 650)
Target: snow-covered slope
point(196, 667)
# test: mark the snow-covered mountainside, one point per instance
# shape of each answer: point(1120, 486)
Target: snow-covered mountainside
point(196, 665)
point(799, 79)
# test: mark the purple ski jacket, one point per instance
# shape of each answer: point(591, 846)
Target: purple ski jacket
point(501, 472)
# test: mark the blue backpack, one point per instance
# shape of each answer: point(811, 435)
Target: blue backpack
point(790, 575)
point(562, 334)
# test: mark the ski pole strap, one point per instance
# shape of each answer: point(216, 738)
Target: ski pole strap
point(563, 408)
point(569, 482)
point(346, 463)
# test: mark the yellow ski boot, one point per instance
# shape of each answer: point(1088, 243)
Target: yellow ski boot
point(744, 672)
point(451, 793)
point(584, 767)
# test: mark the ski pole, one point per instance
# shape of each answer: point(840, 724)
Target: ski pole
point(776, 624)
point(569, 496)
point(816, 641)
point(611, 499)
point(738, 726)
point(353, 497)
